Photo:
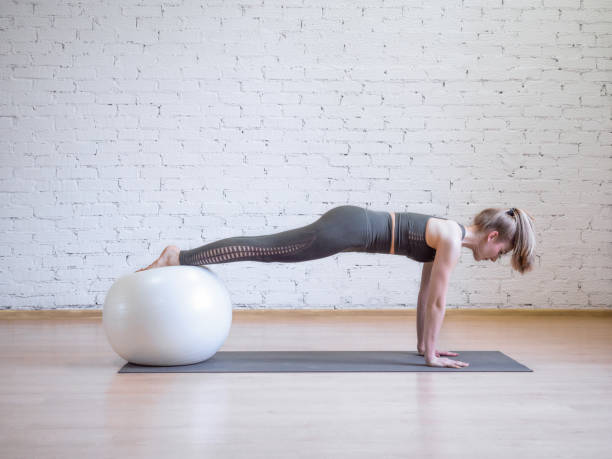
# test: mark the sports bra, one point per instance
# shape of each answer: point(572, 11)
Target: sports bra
point(410, 236)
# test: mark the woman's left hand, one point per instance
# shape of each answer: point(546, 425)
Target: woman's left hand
point(441, 353)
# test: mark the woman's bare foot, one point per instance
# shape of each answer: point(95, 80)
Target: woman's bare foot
point(169, 257)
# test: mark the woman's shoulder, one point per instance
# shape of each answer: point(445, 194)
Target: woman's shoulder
point(440, 229)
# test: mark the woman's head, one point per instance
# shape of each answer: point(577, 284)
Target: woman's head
point(501, 231)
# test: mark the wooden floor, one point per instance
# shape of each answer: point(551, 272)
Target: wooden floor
point(61, 395)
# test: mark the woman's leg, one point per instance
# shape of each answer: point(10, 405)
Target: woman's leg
point(340, 229)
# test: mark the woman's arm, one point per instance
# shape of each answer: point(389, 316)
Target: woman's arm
point(422, 304)
point(447, 256)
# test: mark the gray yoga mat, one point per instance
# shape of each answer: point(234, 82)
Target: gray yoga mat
point(331, 361)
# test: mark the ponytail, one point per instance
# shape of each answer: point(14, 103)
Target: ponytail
point(514, 225)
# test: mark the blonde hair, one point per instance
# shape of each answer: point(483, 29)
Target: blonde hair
point(516, 226)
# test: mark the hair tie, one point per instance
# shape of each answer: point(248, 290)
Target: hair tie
point(511, 211)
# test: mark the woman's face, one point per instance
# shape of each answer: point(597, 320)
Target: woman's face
point(491, 247)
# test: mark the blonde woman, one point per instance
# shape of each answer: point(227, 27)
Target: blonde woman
point(434, 241)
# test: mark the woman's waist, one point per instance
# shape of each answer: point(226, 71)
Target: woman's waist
point(379, 230)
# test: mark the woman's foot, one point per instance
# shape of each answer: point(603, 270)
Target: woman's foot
point(169, 257)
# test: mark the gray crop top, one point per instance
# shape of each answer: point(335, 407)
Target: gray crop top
point(410, 236)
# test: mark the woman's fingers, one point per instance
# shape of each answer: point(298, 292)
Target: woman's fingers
point(442, 353)
point(446, 353)
point(449, 363)
point(458, 363)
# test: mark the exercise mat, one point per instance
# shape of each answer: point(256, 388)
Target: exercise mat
point(331, 361)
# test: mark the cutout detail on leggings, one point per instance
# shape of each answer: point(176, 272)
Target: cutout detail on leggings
point(244, 252)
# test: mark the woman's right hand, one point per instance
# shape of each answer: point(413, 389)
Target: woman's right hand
point(445, 362)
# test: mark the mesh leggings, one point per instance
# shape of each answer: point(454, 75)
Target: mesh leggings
point(341, 229)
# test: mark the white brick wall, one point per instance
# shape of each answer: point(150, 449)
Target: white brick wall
point(127, 126)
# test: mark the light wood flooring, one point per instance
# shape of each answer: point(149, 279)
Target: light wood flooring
point(61, 395)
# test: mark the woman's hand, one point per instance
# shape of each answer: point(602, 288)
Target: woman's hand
point(440, 353)
point(444, 362)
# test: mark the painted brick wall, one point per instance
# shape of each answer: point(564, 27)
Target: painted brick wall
point(127, 126)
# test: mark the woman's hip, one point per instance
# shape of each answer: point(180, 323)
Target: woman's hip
point(359, 229)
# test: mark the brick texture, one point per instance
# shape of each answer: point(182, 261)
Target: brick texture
point(127, 126)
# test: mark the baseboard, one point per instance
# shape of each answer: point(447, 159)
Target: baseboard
point(67, 313)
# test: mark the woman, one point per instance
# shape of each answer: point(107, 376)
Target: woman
point(434, 241)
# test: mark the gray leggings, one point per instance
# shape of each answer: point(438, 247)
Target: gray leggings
point(341, 229)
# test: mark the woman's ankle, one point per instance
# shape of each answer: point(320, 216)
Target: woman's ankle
point(171, 255)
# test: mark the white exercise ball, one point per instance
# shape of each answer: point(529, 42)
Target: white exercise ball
point(175, 315)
